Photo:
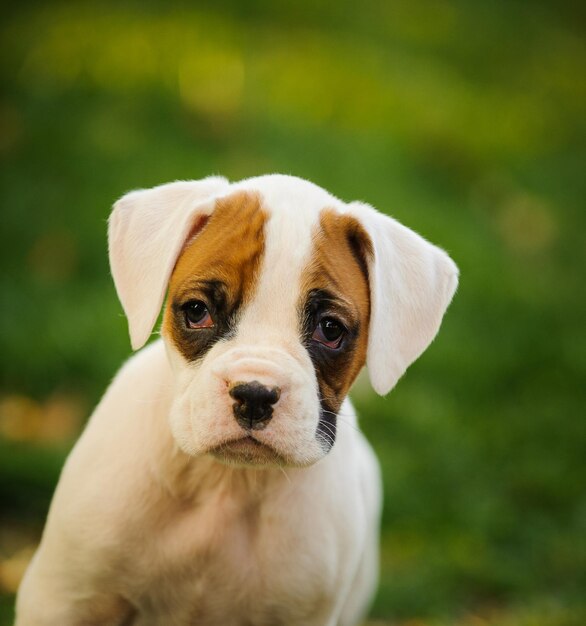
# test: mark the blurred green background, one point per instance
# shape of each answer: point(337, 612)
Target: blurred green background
point(461, 118)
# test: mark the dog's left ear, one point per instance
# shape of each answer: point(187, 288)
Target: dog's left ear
point(147, 231)
point(411, 285)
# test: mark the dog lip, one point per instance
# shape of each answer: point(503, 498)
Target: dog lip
point(247, 440)
point(247, 449)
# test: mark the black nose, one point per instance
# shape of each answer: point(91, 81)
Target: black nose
point(254, 403)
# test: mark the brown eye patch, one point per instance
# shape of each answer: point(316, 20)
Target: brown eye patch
point(335, 289)
point(217, 268)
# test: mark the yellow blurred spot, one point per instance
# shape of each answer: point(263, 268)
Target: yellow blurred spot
point(125, 60)
point(475, 620)
point(11, 127)
point(401, 549)
point(212, 82)
point(55, 58)
point(20, 418)
point(526, 224)
point(422, 20)
point(57, 420)
point(54, 255)
point(12, 569)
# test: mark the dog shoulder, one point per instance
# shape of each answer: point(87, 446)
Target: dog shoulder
point(109, 462)
point(143, 384)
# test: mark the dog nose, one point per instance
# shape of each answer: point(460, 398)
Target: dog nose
point(254, 403)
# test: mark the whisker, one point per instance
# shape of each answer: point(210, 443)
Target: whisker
point(330, 434)
point(282, 469)
point(322, 438)
point(347, 423)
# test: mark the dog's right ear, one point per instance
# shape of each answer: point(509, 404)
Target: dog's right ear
point(411, 285)
point(147, 231)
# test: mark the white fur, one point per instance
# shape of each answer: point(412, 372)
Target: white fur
point(146, 527)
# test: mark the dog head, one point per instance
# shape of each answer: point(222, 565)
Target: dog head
point(278, 293)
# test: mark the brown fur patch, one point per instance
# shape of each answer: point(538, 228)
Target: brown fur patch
point(335, 284)
point(219, 267)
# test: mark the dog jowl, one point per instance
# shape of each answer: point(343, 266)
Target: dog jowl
point(223, 478)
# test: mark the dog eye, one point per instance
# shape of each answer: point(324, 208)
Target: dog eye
point(197, 315)
point(329, 332)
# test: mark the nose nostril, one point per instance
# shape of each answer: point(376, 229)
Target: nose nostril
point(254, 403)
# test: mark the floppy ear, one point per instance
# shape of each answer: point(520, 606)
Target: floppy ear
point(146, 233)
point(411, 285)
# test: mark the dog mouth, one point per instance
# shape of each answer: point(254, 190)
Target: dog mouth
point(246, 451)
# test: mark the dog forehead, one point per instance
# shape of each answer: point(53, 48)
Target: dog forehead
point(259, 241)
point(293, 210)
point(308, 247)
point(293, 207)
point(274, 216)
point(283, 194)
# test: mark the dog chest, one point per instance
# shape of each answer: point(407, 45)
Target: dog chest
point(229, 558)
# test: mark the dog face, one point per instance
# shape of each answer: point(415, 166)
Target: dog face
point(277, 295)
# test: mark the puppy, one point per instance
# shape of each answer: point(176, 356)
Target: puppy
point(222, 480)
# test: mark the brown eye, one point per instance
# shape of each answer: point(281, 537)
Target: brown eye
point(329, 332)
point(197, 315)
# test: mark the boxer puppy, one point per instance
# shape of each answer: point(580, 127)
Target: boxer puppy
point(223, 480)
